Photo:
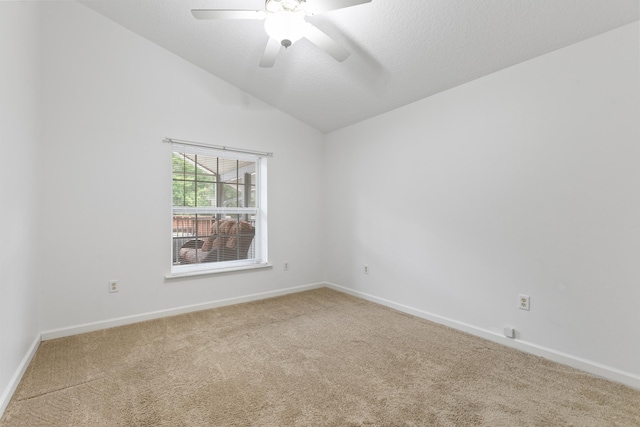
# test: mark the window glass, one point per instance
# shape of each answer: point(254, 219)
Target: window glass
point(217, 219)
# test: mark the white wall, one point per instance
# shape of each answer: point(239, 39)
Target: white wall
point(110, 97)
point(525, 181)
point(19, 183)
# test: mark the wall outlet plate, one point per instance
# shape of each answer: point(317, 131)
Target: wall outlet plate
point(113, 286)
point(524, 302)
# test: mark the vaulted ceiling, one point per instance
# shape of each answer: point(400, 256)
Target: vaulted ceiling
point(401, 50)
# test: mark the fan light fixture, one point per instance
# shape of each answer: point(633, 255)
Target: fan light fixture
point(285, 21)
point(286, 27)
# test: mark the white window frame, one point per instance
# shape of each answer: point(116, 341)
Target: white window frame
point(260, 258)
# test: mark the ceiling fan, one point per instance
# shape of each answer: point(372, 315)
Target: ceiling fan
point(285, 23)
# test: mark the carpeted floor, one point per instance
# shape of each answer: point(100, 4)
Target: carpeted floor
point(317, 358)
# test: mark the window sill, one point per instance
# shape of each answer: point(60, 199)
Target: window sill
point(216, 271)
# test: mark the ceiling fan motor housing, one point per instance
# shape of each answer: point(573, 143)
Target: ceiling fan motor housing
point(274, 6)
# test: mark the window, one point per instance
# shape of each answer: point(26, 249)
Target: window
point(218, 210)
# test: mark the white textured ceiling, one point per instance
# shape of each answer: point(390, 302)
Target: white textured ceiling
point(402, 50)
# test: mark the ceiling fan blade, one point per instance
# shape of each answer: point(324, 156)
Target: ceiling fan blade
point(270, 53)
point(320, 6)
point(326, 43)
point(227, 14)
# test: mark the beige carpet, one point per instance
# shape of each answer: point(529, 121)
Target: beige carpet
point(317, 358)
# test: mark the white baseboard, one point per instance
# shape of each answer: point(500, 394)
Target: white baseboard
point(6, 395)
point(589, 366)
point(127, 320)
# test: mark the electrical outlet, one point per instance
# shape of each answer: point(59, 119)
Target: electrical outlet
point(113, 286)
point(286, 266)
point(365, 270)
point(523, 302)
